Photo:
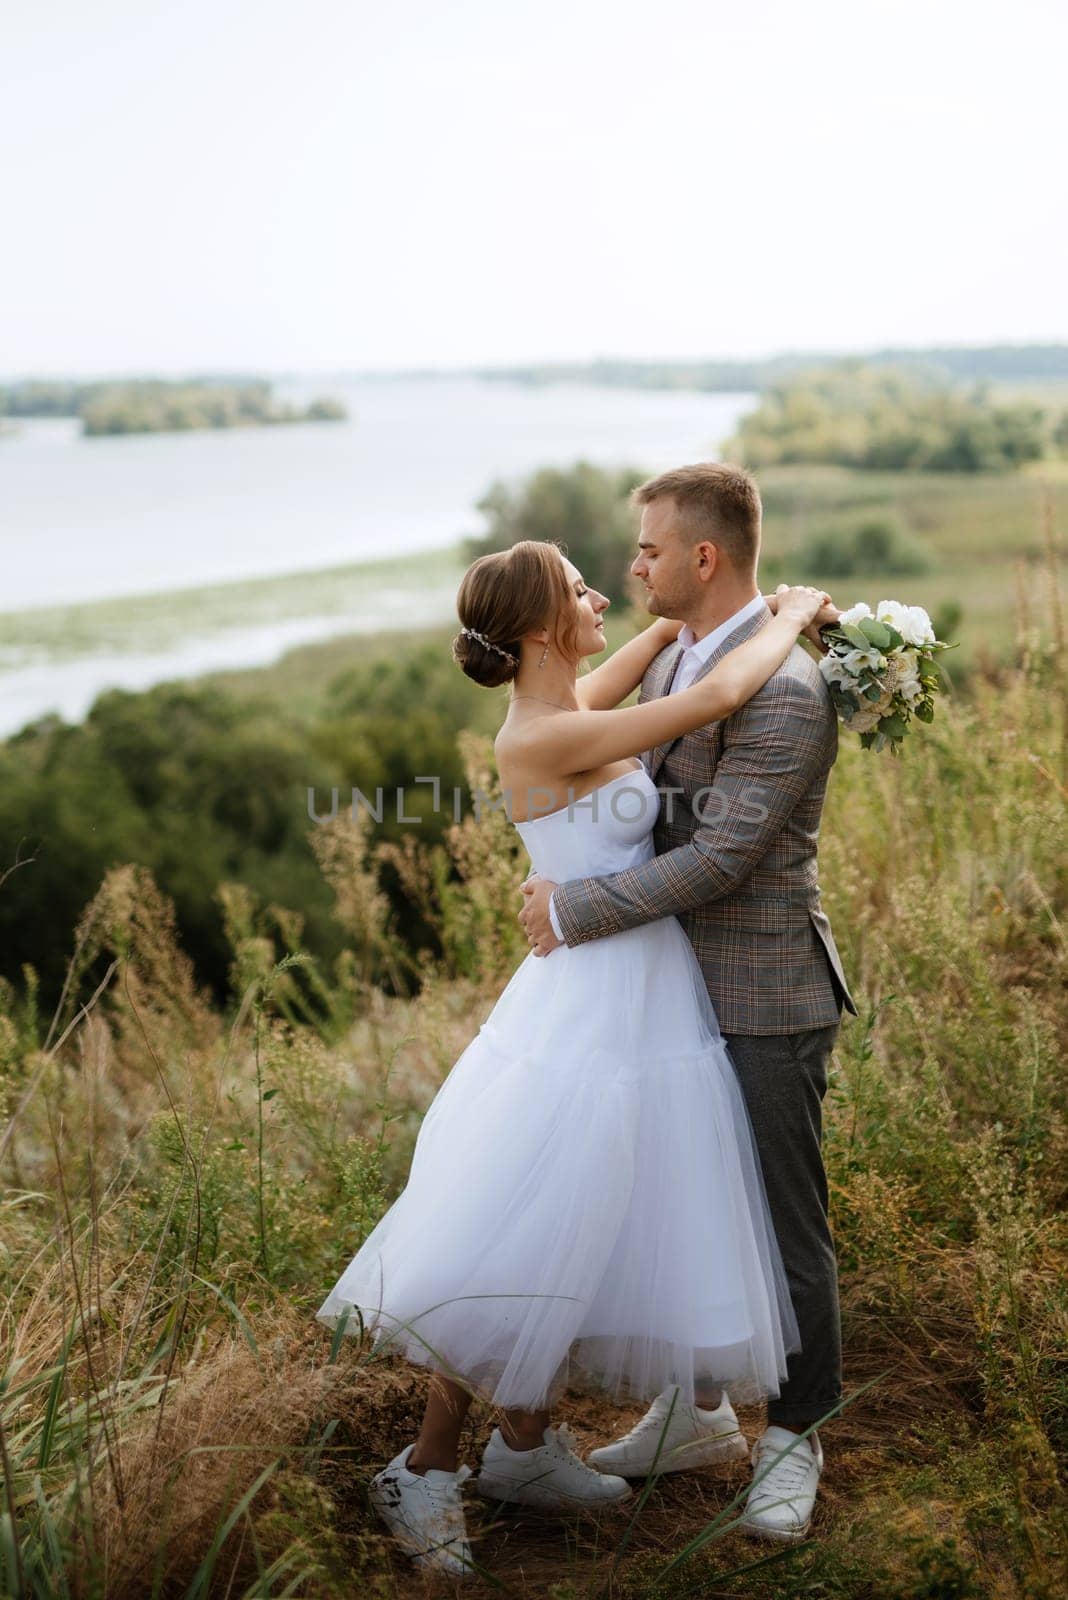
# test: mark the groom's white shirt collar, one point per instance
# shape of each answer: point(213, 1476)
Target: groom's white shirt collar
point(695, 652)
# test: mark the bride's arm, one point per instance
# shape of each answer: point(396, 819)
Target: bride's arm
point(615, 678)
point(588, 739)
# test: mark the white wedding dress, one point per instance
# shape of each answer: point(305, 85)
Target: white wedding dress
point(584, 1207)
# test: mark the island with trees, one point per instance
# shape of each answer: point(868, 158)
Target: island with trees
point(161, 405)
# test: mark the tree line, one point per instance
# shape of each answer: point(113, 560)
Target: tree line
point(161, 405)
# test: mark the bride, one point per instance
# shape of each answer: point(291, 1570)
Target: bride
point(584, 1207)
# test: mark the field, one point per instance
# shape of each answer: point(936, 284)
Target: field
point(987, 539)
point(182, 1183)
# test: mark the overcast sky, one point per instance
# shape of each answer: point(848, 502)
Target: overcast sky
point(346, 184)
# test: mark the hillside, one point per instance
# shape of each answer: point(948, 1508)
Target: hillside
point(184, 1179)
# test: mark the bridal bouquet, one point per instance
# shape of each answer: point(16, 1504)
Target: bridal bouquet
point(882, 670)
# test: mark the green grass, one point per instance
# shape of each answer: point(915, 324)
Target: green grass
point(986, 537)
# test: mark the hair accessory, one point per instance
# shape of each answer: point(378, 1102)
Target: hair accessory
point(470, 633)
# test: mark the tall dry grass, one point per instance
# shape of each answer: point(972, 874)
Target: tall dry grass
point(182, 1185)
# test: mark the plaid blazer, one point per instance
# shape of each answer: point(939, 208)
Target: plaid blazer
point(736, 851)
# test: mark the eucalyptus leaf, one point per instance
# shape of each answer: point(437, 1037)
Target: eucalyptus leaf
point(875, 632)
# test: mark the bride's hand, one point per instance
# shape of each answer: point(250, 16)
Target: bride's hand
point(827, 613)
point(802, 604)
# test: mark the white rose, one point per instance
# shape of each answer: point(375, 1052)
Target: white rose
point(908, 683)
point(911, 622)
point(922, 631)
point(855, 613)
point(893, 614)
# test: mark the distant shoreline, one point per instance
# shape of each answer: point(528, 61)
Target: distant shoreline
point(121, 621)
point(997, 363)
point(59, 658)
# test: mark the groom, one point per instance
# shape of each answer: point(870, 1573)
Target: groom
point(736, 863)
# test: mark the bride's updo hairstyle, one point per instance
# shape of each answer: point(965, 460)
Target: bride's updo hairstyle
point(505, 596)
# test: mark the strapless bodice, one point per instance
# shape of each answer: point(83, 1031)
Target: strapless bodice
point(604, 831)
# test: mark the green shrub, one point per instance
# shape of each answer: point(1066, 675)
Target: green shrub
point(875, 549)
point(585, 508)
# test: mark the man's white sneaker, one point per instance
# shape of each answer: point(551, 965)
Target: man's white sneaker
point(425, 1514)
point(780, 1506)
point(551, 1476)
point(692, 1438)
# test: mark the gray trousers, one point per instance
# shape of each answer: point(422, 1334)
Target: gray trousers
point(784, 1080)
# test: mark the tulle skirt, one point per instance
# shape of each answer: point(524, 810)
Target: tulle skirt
point(585, 1207)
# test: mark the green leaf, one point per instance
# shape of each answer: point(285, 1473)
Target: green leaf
point(57, 1576)
point(925, 711)
point(48, 1426)
point(269, 1094)
point(894, 727)
point(339, 1330)
point(875, 632)
point(202, 1579)
point(856, 637)
point(239, 1318)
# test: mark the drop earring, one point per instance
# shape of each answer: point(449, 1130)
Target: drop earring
point(544, 656)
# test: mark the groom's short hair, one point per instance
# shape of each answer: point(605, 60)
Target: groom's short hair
point(715, 501)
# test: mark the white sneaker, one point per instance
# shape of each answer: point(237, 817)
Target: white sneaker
point(424, 1513)
point(780, 1505)
point(693, 1438)
point(550, 1476)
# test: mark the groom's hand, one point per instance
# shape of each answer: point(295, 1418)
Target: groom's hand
point(823, 619)
point(534, 916)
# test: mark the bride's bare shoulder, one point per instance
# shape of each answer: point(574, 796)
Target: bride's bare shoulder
point(522, 736)
point(526, 752)
point(512, 749)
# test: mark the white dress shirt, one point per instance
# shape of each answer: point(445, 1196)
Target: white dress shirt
point(695, 653)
